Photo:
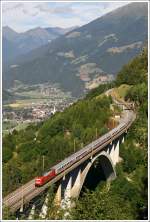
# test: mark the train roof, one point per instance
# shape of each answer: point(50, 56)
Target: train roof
point(71, 157)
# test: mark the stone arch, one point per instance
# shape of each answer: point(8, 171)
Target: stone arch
point(72, 189)
point(107, 165)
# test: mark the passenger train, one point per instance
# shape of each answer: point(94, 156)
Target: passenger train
point(87, 150)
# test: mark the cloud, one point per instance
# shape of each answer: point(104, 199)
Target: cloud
point(53, 10)
point(8, 7)
point(26, 15)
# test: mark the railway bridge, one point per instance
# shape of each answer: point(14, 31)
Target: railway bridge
point(69, 182)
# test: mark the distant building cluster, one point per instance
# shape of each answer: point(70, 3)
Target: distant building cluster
point(54, 100)
point(41, 113)
point(35, 113)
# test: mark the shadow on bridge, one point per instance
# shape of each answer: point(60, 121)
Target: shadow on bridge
point(101, 170)
point(94, 177)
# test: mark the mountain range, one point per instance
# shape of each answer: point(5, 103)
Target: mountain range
point(84, 54)
point(16, 44)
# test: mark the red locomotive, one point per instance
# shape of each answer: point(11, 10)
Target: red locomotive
point(40, 181)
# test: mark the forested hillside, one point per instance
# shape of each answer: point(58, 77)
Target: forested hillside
point(127, 196)
point(56, 138)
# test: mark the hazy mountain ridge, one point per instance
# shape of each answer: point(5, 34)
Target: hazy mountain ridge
point(124, 30)
point(24, 42)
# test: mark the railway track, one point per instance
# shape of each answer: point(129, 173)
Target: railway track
point(28, 191)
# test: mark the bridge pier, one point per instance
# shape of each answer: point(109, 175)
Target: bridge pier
point(116, 153)
point(58, 195)
point(112, 151)
point(122, 139)
point(32, 213)
point(77, 184)
point(66, 202)
point(44, 209)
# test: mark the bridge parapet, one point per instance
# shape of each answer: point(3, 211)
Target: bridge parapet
point(108, 158)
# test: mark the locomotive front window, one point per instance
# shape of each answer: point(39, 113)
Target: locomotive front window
point(45, 174)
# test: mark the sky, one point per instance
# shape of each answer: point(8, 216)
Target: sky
point(22, 16)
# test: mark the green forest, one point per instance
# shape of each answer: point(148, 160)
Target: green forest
point(55, 139)
point(84, 121)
